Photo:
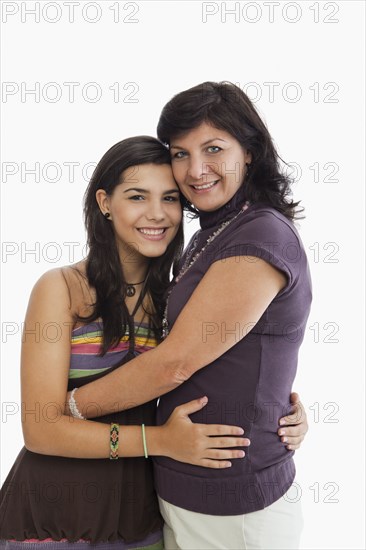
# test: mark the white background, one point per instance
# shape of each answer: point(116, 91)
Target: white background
point(312, 53)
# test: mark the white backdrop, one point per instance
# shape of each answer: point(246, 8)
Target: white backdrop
point(79, 76)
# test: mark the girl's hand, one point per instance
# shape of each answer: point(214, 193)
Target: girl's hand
point(201, 444)
point(294, 426)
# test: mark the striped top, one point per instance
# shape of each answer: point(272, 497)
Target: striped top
point(85, 345)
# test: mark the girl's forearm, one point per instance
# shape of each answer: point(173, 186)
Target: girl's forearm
point(74, 438)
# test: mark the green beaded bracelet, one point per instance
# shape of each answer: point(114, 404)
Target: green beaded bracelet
point(114, 441)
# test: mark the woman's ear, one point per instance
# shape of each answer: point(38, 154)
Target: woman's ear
point(102, 200)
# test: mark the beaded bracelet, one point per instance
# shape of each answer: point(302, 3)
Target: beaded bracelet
point(114, 441)
point(73, 407)
point(144, 440)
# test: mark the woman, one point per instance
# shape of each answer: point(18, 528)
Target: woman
point(104, 311)
point(238, 306)
point(249, 267)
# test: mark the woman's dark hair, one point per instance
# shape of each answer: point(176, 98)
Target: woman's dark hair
point(225, 106)
point(103, 266)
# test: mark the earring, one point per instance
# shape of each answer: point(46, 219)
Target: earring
point(107, 215)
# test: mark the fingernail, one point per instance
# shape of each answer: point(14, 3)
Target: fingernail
point(282, 422)
point(228, 464)
point(242, 454)
point(240, 431)
point(281, 432)
point(284, 439)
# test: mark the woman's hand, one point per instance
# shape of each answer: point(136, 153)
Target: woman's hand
point(294, 426)
point(201, 444)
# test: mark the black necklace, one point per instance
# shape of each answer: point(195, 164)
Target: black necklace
point(130, 288)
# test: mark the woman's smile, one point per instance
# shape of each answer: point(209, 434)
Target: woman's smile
point(204, 187)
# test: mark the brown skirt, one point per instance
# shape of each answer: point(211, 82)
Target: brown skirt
point(98, 500)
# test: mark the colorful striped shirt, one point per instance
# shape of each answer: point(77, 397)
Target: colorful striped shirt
point(85, 345)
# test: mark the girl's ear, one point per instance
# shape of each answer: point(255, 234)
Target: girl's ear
point(102, 200)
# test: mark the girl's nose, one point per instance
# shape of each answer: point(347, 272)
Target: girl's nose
point(155, 211)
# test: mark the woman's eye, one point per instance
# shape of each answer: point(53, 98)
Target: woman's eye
point(179, 155)
point(213, 149)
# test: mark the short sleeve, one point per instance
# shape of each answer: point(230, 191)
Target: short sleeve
point(267, 235)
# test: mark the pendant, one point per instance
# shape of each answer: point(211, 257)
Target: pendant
point(130, 291)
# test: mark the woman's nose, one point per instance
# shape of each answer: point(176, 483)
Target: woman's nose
point(196, 167)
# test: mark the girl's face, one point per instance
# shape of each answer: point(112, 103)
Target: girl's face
point(144, 209)
point(209, 166)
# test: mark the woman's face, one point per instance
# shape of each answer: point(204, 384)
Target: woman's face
point(209, 166)
point(144, 209)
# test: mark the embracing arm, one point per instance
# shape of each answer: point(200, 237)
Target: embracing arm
point(250, 285)
point(294, 426)
point(44, 374)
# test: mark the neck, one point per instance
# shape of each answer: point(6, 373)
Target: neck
point(134, 267)
point(134, 274)
point(227, 211)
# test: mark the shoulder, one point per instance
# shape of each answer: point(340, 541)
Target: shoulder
point(52, 281)
point(62, 288)
point(264, 222)
point(61, 277)
point(263, 232)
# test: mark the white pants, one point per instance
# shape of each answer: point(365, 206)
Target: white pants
point(276, 527)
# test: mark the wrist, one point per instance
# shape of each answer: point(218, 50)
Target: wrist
point(156, 440)
point(67, 411)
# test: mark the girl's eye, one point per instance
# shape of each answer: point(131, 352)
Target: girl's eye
point(179, 155)
point(213, 149)
point(136, 198)
point(171, 199)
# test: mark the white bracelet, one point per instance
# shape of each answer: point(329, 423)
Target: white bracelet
point(73, 407)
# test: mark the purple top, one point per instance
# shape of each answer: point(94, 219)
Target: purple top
point(250, 384)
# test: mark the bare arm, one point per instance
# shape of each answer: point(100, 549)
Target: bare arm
point(44, 374)
point(250, 286)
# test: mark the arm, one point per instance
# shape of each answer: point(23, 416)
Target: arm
point(249, 288)
point(44, 374)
